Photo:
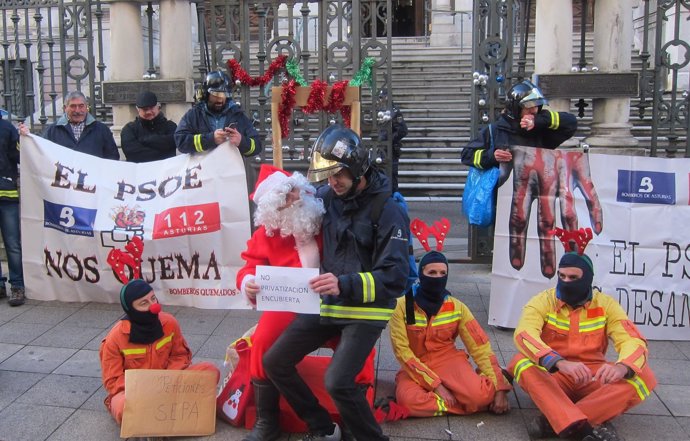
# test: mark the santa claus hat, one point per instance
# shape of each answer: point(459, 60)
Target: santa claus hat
point(269, 178)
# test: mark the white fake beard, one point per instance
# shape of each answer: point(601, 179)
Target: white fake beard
point(301, 220)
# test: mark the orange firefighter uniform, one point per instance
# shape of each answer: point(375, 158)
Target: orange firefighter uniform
point(117, 355)
point(427, 353)
point(550, 330)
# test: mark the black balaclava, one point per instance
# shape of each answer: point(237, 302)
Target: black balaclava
point(146, 327)
point(432, 290)
point(577, 292)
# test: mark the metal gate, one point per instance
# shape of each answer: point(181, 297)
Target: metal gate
point(329, 39)
point(49, 48)
point(665, 76)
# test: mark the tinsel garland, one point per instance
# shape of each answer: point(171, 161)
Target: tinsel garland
point(287, 103)
point(238, 73)
point(364, 74)
point(293, 71)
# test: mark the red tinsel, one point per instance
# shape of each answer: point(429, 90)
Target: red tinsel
point(346, 111)
point(287, 103)
point(316, 97)
point(335, 101)
point(238, 73)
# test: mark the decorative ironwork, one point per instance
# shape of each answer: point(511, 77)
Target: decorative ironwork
point(660, 82)
point(44, 58)
point(329, 40)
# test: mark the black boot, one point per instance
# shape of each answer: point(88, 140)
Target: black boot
point(266, 427)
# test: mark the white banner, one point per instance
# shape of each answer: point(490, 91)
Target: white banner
point(638, 209)
point(191, 211)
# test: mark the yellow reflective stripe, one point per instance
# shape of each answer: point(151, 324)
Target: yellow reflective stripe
point(442, 409)
point(134, 351)
point(555, 120)
point(354, 312)
point(446, 317)
point(9, 194)
point(560, 324)
point(592, 325)
point(522, 365)
point(640, 386)
point(368, 287)
point(478, 158)
point(197, 143)
point(252, 147)
point(165, 341)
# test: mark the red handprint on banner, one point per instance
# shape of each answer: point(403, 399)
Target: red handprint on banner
point(546, 176)
point(130, 258)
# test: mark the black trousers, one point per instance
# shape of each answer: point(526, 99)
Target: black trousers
point(306, 334)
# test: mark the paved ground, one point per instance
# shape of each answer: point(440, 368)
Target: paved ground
point(50, 387)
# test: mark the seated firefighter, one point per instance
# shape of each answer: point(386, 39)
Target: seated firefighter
point(562, 336)
point(145, 338)
point(436, 377)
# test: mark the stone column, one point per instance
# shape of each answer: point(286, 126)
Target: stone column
point(613, 37)
point(176, 59)
point(444, 31)
point(126, 55)
point(553, 47)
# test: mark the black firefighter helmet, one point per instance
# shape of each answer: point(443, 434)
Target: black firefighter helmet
point(523, 95)
point(216, 83)
point(336, 148)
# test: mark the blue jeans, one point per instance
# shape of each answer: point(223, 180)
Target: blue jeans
point(306, 334)
point(11, 237)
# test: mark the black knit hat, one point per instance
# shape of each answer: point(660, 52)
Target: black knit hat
point(133, 290)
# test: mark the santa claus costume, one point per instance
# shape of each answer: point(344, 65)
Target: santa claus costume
point(287, 236)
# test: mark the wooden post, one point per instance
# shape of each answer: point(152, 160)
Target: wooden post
point(301, 96)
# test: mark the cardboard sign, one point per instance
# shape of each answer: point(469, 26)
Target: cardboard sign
point(161, 402)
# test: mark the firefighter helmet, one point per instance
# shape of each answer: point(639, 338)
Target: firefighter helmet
point(216, 82)
point(523, 95)
point(336, 148)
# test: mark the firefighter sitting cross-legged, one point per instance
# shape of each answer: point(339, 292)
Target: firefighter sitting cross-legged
point(562, 337)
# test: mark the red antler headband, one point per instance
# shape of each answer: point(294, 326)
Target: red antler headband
point(422, 231)
point(130, 258)
point(573, 240)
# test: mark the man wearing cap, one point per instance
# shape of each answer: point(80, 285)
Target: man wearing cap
point(215, 119)
point(150, 137)
point(145, 338)
point(436, 377)
point(288, 216)
point(562, 336)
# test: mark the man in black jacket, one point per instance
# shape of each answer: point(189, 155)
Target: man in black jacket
point(525, 122)
point(393, 117)
point(364, 268)
point(150, 136)
point(9, 212)
point(216, 119)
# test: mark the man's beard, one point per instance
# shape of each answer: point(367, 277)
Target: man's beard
point(301, 220)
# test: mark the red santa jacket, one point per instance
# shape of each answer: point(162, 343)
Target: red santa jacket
point(271, 251)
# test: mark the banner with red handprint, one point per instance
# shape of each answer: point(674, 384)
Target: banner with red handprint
point(638, 209)
point(89, 224)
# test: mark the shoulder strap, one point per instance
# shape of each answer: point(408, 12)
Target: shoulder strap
point(491, 137)
point(377, 208)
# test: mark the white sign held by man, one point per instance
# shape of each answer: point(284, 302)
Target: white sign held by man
point(286, 289)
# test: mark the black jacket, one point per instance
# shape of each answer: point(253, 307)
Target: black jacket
point(9, 158)
point(398, 129)
point(143, 140)
point(371, 265)
point(550, 130)
point(195, 132)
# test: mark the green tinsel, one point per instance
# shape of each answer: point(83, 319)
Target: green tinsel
point(293, 71)
point(364, 74)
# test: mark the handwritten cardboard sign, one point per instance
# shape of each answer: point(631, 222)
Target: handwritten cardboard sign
point(161, 402)
point(286, 289)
